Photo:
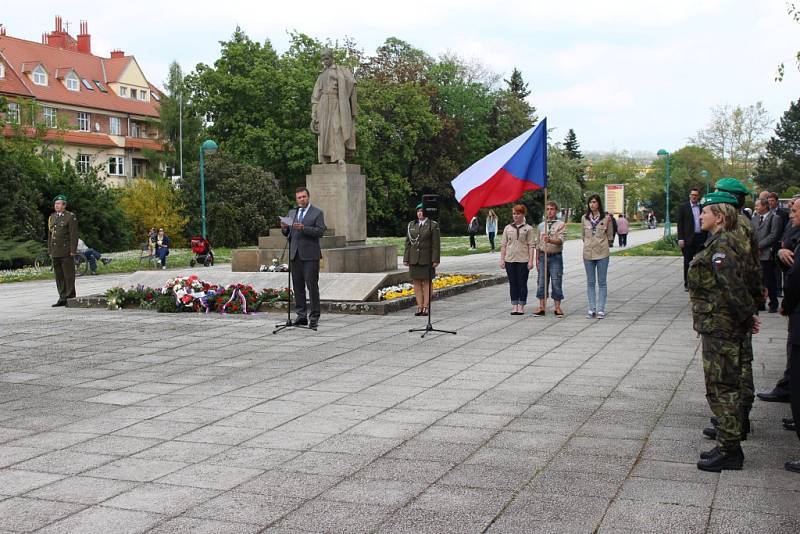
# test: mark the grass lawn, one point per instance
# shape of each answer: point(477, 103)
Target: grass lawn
point(654, 248)
point(124, 262)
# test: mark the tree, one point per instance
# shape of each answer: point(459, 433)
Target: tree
point(779, 167)
point(736, 136)
point(795, 14)
point(512, 114)
point(686, 167)
point(175, 99)
point(19, 193)
point(571, 145)
point(153, 203)
point(243, 201)
point(561, 185)
point(517, 86)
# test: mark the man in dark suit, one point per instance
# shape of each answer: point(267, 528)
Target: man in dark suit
point(783, 213)
point(767, 228)
point(308, 226)
point(62, 245)
point(690, 236)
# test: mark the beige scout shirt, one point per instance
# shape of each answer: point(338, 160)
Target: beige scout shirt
point(554, 230)
point(597, 237)
point(517, 242)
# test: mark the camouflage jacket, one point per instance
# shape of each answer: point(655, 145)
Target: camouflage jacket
point(722, 301)
point(744, 241)
point(62, 234)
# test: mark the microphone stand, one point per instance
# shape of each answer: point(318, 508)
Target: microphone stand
point(289, 323)
point(429, 327)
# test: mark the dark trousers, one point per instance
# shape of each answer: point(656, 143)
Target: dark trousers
point(623, 240)
point(161, 254)
point(472, 241)
point(794, 385)
point(91, 257)
point(768, 279)
point(783, 384)
point(690, 249)
point(64, 269)
point(491, 240)
point(305, 274)
point(517, 272)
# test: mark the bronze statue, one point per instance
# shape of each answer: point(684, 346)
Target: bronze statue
point(333, 109)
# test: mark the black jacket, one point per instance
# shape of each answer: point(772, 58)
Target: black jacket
point(686, 224)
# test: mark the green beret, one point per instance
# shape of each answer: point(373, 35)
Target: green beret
point(731, 185)
point(719, 197)
point(419, 206)
point(60, 197)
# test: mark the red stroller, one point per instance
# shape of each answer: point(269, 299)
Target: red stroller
point(202, 252)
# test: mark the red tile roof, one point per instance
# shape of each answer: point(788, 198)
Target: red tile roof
point(17, 52)
point(139, 142)
point(73, 137)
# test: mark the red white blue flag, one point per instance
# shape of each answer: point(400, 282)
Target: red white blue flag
point(505, 174)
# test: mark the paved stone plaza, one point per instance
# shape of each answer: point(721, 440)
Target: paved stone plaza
point(134, 421)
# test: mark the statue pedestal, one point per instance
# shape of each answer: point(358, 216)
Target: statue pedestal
point(340, 191)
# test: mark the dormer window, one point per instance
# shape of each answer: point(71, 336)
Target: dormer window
point(39, 75)
point(72, 82)
point(123, 91)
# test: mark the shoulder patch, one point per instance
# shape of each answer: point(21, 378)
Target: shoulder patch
point(719, 260)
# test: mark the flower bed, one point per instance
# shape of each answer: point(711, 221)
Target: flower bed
point(439, 282)
point(189, 293)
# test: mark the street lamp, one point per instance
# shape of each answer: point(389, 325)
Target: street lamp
point(667, 225)
point(210, 147)
point(705, 176)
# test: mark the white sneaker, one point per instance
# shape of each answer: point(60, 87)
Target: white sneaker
point(163, 267)
point(590, 314)
point(601, 315)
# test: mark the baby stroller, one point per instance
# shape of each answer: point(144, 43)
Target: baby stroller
point(202, 252)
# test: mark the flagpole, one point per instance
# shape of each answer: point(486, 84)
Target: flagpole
point(544, 249)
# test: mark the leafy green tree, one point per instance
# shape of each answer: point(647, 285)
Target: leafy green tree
point(243, 201)
point(153, 203)
point(517, 86)
point(686, 167)
point(793, 12)
point(177, 104)
point(779, 168)
point(19, 195)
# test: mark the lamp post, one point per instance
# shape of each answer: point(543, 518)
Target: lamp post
point(704, 174)
point(667, 225)
point(210, 147)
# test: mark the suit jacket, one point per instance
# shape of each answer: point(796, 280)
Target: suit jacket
point(767, 233)
point(686, 223)
point(305, 242)
point(62, 235)
point(791, 299)
point(423, 243)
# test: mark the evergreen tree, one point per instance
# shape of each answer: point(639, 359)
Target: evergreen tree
point(517, 86)
point(571, 145)
point(779, 168)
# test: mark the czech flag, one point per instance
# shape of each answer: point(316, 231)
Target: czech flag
point(505, 174)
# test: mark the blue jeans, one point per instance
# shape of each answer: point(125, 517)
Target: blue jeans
point(596, 271)
point(91, 257)
point(161, 254)
point(555, 273)
point(517, 272)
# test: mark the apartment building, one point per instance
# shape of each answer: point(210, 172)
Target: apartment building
point(101, 111)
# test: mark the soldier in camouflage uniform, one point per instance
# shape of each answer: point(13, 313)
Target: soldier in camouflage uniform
point(62, 245)
point(744, 241)
point(722, 310)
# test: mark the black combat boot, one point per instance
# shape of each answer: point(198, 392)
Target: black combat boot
point(705, 455)
point(723, 460)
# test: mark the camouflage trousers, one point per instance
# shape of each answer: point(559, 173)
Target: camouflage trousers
point(746, 387)
point(722, 360)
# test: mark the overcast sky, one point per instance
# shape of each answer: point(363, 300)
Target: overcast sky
point(625, 75)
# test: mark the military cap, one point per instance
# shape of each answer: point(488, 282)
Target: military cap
point(419, 206)
point(60, 197)
point(718, 197)
point(731, 185)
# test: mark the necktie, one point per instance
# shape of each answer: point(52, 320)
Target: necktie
point(300, 216)
point(762, 219)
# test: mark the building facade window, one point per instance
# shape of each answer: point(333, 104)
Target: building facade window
point(72, 82)
point(2, 70)
point(137, 168)
point(12, 115)
point(39, 76)
point(123, 91)
point(135, 129)
point(50, 117)
point(134, 93)
point(84, 163)
point(116, 165)
point(115, 127)
point(84, 120)
point(143, 95)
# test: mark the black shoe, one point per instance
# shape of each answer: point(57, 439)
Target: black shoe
point(793, 466)
point(789, 425)
point(106, 261)
point(772, 396)
point(313, 325)
point(685, 288)
point(59, 303)
point(710, 432)
point(300, 321)
point(715, 421)
point(722, 460)
point(708, 454)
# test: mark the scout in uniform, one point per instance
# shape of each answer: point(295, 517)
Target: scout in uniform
point(62, 245)
point(723, 314)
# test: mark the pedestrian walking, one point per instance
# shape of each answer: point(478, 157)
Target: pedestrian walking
point(491, 228)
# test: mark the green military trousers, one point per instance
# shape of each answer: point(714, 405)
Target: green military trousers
point(746, 386)
point(722, 361)
point(64, 269)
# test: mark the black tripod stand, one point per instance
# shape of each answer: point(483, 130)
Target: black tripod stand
point(429, 327)
point(288, 245)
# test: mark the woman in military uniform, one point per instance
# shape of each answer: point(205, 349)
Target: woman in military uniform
point(422, 254)
point(723, 313)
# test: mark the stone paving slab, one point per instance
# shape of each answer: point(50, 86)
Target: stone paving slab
point(142, 422)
